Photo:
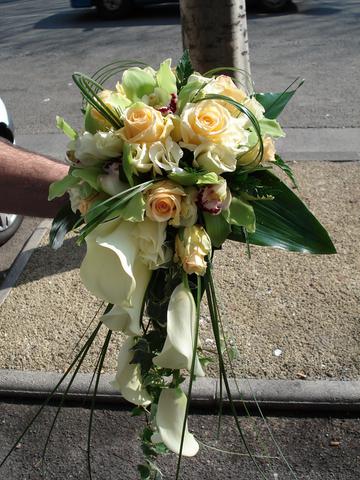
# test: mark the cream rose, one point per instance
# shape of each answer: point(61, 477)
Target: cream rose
point(223, 85)
point(165, 156)
point(209, 122)
point(216, 157)
point(189, 210)
point(151, 237)
point(192, 248)
point(163, 202)
point(92, 150)
point(144, 124)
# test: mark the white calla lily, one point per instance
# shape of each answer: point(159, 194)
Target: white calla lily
point(177, 351)
point(128, 377)
point(169, 421)
point(107, 269)
point(127, 319)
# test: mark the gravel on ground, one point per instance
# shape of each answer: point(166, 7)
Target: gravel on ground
point(290, 315)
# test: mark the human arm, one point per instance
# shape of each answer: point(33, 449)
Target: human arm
point(24, 182)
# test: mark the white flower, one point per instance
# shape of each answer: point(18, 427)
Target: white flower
point(127, 319)
point(128, 377)
point(107, 270)
point(166, 155)
point(170, 417)
point(215, 158)
point(92, 149)
point(151, 236)
point(140, 158)
point(177, 351)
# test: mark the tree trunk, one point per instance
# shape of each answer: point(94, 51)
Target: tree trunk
point(215, 33)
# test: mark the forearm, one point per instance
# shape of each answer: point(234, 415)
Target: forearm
point(24, 182)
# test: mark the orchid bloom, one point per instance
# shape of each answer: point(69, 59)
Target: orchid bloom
point(169, 421)
point(177, 351)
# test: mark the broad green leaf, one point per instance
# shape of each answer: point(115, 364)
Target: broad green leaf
point(274, 103)
point(184, 69)
point(59, 188)
point(62, 224)
point(285, 222)
point(137, 83)
point(66, 128)
point(134, 209)
point(127, 164)
point(217, 228)
point(271, 128)
point(88, 175)
point(187, 178)
point(242, 214)
point(165, 77)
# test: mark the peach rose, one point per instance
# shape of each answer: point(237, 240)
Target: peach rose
point(163, 202)
point(144, 124)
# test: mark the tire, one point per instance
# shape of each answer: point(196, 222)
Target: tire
point(274, 5)
point(110, 9)
point(8, 226)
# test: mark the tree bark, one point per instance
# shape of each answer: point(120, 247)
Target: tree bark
point(215, 33)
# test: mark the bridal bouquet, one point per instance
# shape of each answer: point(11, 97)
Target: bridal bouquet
point(171, 163)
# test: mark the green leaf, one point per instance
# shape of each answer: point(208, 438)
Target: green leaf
point(137, 411)
point(187, 178)
point(114, 101)
point(279, 162)
point(66, 128)
point(137, 83)
point(127, 164)
point(144, 471)
point(285, 222)
point(274, 103)
point(217, 228)
point(184, 69)
point(88, 175)
point(271, 128)
point(59, 188)
point(242, 214)
point(134, 210)
point(62, 224)
point(165, 77)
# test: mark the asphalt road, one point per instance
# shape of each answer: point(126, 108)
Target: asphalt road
point(317, 448)
point(41, 46)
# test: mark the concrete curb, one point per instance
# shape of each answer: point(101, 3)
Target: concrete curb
point(22, 259)
point(282, 395)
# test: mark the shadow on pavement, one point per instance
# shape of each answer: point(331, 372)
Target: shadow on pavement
point(88, 19)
